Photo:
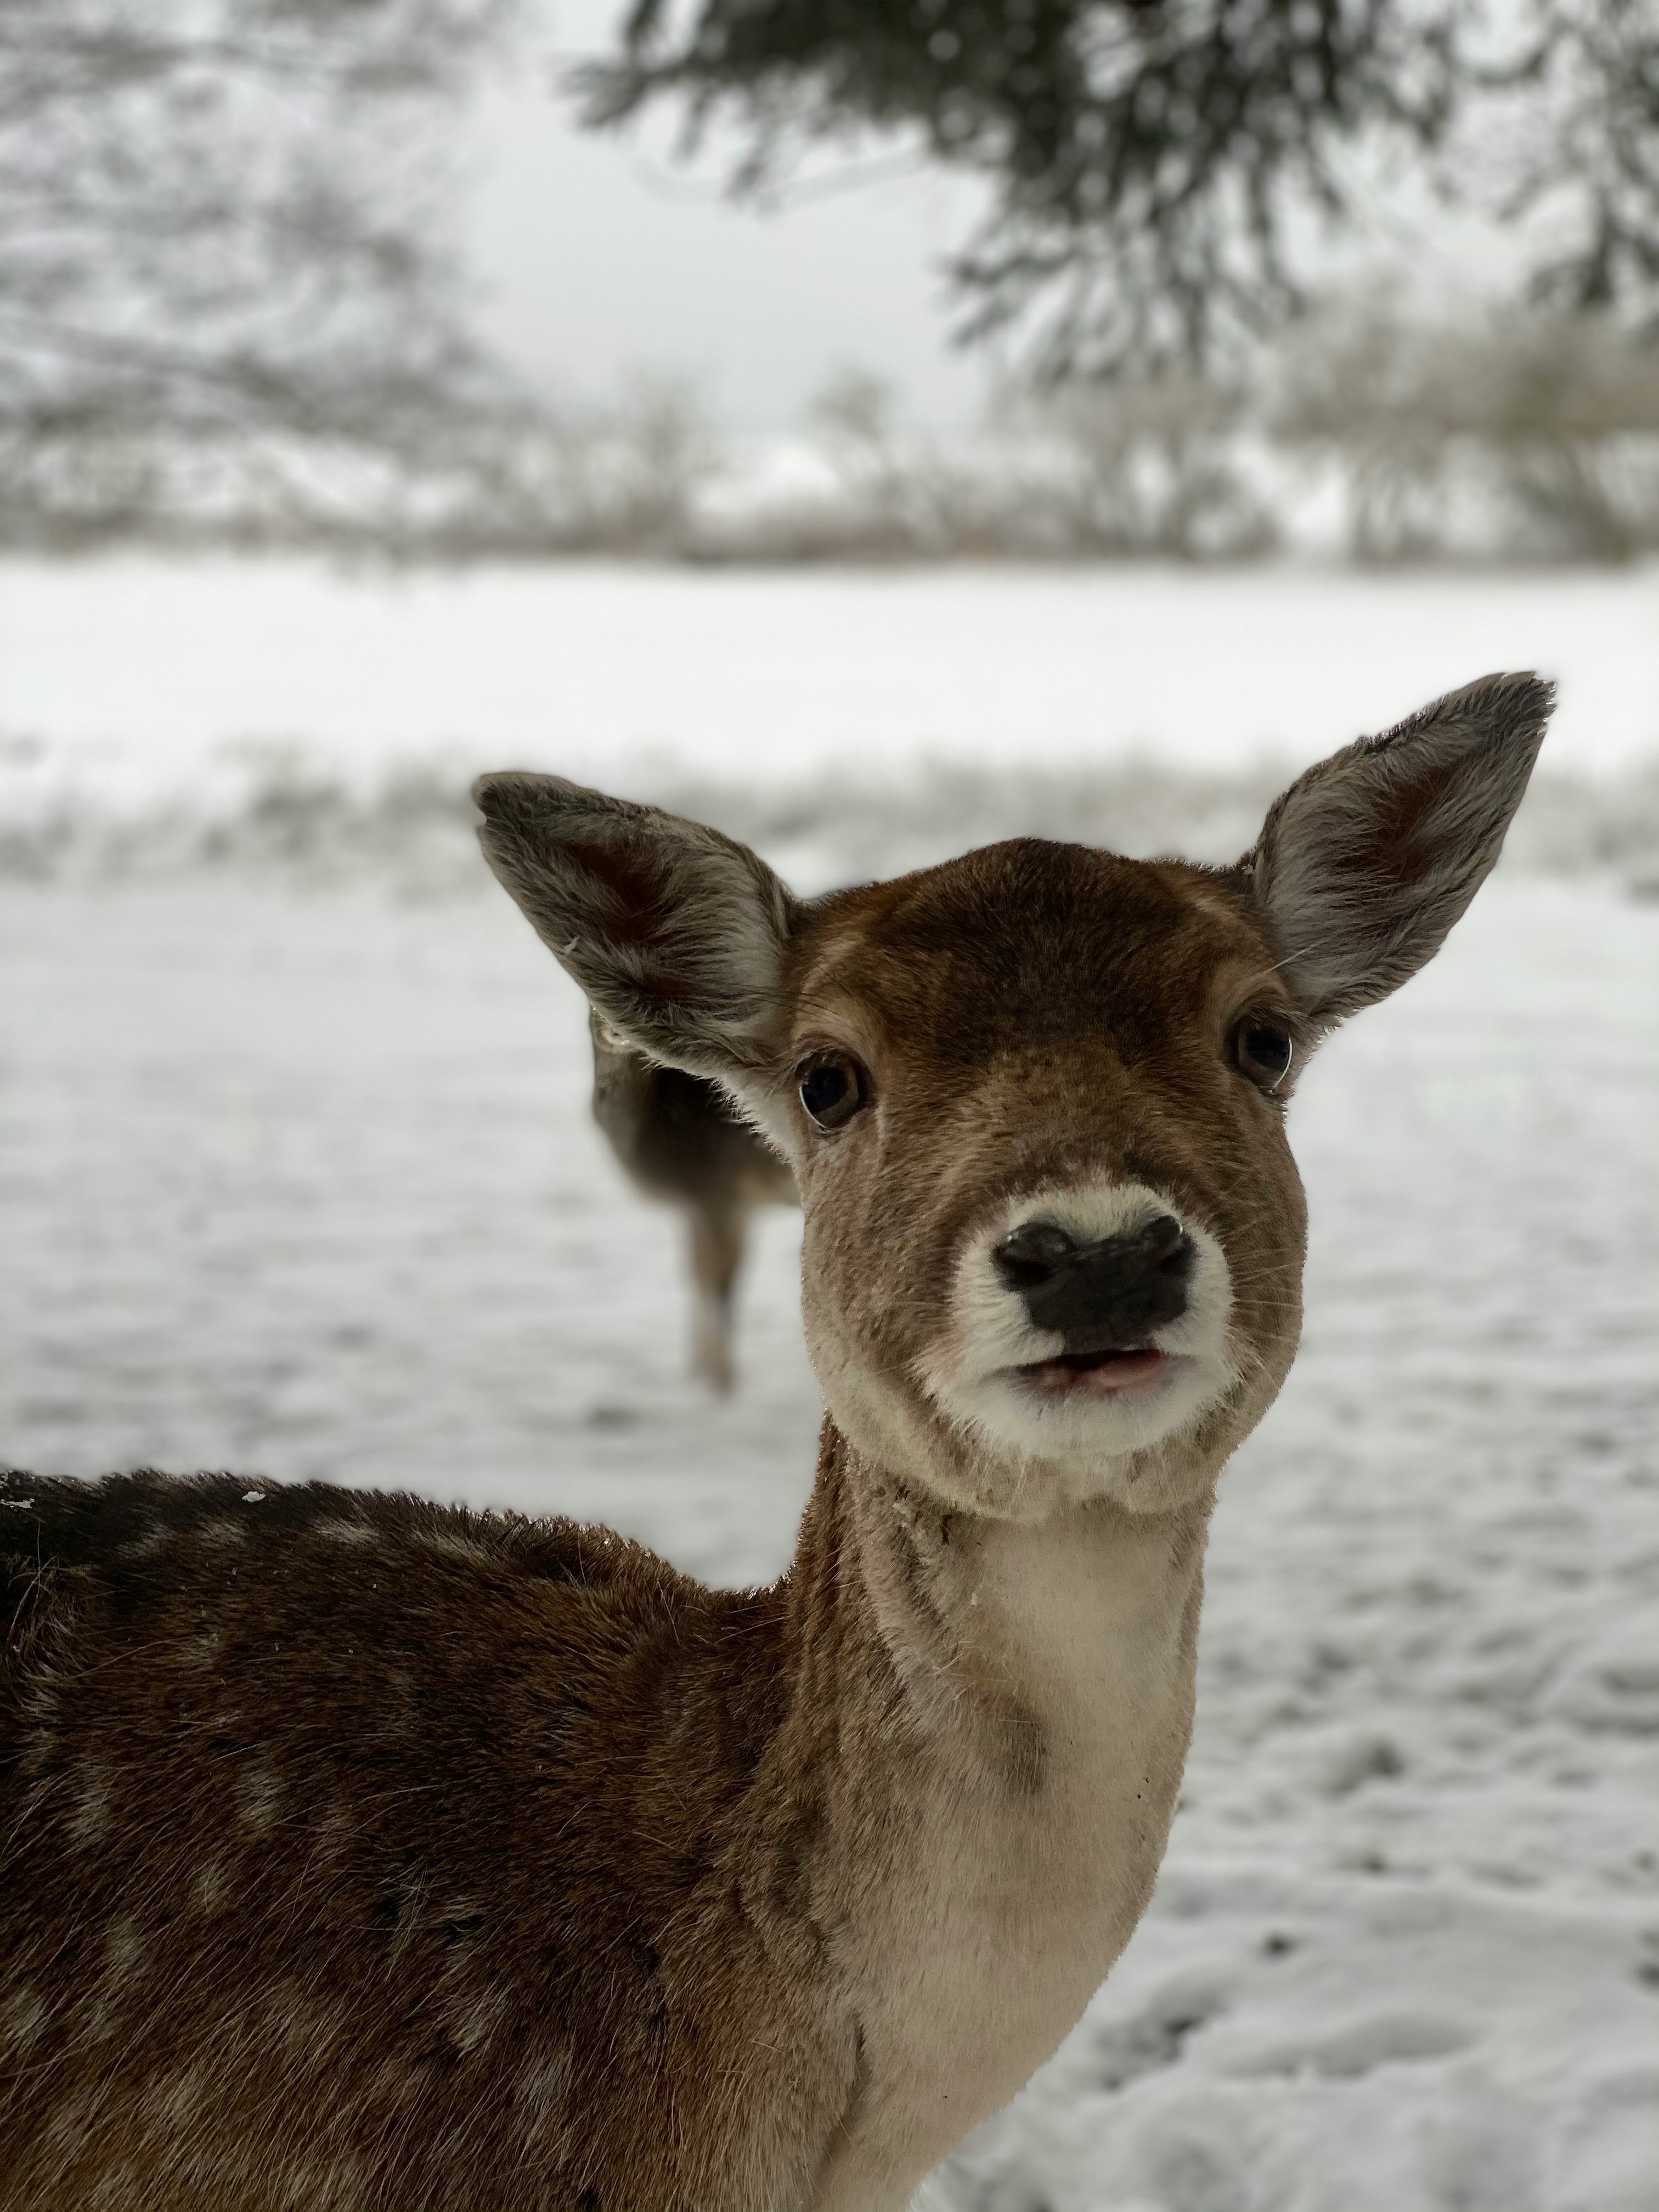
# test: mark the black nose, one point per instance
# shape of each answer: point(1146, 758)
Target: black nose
point(1109, 1296)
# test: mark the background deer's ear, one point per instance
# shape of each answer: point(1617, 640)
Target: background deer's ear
point(1367, 860)
point(675, 933)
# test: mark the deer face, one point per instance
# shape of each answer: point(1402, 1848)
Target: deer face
point(1034, 1099)
point(1052, 1221)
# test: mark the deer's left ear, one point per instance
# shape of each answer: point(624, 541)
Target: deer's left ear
point(1367, 860)
point(675, 933)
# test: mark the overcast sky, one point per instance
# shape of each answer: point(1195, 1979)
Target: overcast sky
point(602, 255)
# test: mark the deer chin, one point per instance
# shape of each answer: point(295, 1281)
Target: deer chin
point(1085, 1417)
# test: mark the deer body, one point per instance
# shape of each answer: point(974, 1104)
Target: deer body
point(680, 1141)
point(320, 1951)
point(364, 1856)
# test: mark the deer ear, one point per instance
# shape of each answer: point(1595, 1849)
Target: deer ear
point(675, 933)
point(1367, 860)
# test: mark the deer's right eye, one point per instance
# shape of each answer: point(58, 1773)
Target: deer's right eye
point(833, 1087)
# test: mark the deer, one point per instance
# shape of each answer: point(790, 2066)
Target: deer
point(367, 1855)
point(680, 1140)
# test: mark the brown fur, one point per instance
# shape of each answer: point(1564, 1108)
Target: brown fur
point(681, 1141)
point(275, 1927)
point(365, 1856)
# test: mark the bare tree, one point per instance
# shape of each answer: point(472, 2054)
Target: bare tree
point(1524, 433)
point(659, 453)
point(1574, 438)
point(907, 496)
point(224, 219)
point(1154, 166)
point(1125, 470)
point(1150, 468)
point(1363, 390)
point(856, 415)
point(539, 476)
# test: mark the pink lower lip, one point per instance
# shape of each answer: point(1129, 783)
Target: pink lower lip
point(1120, 1370)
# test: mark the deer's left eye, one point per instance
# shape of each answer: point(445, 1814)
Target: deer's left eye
point(1263, 1051)
point(832, 1089)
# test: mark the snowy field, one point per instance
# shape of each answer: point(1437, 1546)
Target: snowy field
point(127, 677)
point(296, 1176)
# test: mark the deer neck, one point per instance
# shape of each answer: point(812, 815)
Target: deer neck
point(1002, 1711)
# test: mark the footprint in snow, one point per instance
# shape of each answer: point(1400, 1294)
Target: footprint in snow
point(1157, 2034)
point(1346, 2053)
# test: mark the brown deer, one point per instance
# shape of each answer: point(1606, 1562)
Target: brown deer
point(364, 1856)
point(681, 1139)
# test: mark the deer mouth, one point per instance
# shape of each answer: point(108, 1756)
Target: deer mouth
point(1096, 1374)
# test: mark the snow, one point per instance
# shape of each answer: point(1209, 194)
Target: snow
point(302, 1182)
point(135, 674)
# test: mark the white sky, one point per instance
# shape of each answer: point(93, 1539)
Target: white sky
point(601, 256)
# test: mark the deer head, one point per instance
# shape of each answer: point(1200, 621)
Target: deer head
point(1034, 1099)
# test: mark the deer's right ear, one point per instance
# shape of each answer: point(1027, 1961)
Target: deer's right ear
point(675, 933)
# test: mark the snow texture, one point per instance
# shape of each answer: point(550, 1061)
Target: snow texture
point(144, 674)
point(306, 1186)
point(304, 1183)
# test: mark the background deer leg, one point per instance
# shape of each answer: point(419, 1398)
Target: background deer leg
point(717, 1235)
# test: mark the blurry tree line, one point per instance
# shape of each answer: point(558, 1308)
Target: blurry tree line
point(231, 308)
point(1494, 437)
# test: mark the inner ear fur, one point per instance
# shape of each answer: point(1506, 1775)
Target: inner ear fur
point(675, 933)
point(1366, 861)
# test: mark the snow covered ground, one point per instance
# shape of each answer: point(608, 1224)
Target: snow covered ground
point(304, 1184)
point(301, 1180)
point(131, 675)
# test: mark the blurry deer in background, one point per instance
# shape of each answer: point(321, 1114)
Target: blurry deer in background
point(680, 1139)
point(363, 1855)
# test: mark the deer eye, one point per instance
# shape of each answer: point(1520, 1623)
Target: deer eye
point(833, 1087)
point(1264, 1052)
